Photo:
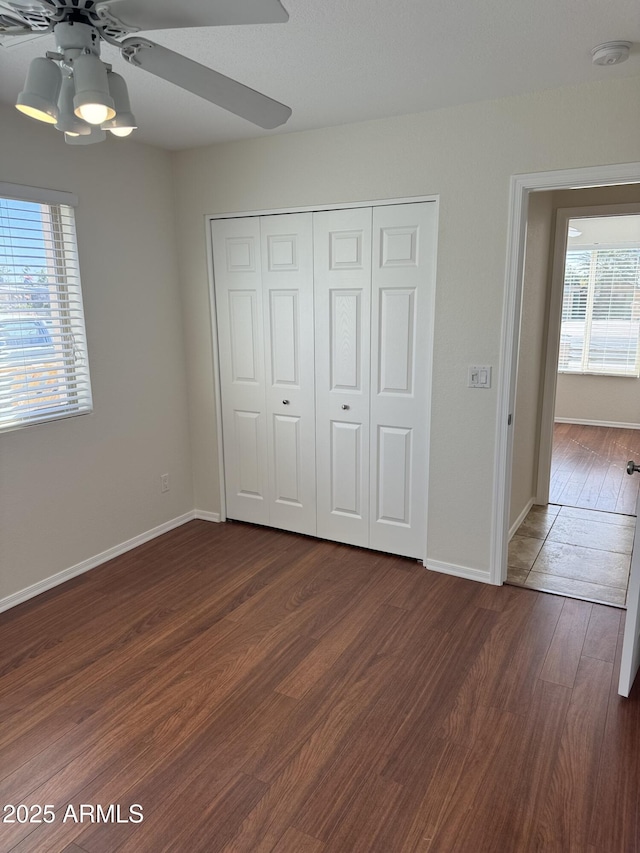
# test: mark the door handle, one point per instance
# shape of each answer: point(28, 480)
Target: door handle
point(344, 406)
point(285, 402)
point(632, 467)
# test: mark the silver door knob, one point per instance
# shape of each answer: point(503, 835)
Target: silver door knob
point(344, 406)
point(285, 402)
point(632, 467)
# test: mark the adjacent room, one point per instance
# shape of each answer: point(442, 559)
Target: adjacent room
point(275, 404)
point(577, 538)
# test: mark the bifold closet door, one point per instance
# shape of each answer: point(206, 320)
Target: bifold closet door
point(403, 280)
point(287, 292)
point(342, 272)
point(239, 309)
point(325, 327)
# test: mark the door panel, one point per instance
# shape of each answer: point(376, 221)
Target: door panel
point(284, 329)
point(287, 282)
point(288, 486)
point(346, 455)
point(396, 331)
point(238, 295)
point(345, 340)
point(393, 494)
point(342, 273)
point(248, 475)
point(244, 336)
point(403, 281)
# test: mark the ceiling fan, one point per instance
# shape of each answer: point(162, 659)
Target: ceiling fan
point(81, 95)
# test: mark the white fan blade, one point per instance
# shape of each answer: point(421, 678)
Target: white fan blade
point(17, 6)
point(170, 14)
point(22, 16)
point(205, 82)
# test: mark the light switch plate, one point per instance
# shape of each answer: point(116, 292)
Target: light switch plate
point(479, 376)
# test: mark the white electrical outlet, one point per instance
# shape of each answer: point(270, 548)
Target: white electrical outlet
point(164, 482)
point(479, 376)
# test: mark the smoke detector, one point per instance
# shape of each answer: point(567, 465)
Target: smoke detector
point(611, 52)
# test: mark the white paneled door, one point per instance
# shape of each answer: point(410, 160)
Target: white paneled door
point(403, 283)
point(287, 289)
point(325, 330)
point(238, 278)
point(342, 271)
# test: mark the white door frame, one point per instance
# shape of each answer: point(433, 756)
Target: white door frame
point(208, 219)
point(520, 187)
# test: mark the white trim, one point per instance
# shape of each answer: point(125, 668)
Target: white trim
point(313, 208)
point(466, 572)
point(589, 422)
point(431, 336)
point(520, 187)
point(204, 515)
point(37, 194)
point(516, 524)
point(217, 387)
point(92, 563)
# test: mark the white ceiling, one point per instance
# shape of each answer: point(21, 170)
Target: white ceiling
point(341, 61)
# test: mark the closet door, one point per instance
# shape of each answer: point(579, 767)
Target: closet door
point(342, 272)
point(287, 289)
point(404, 244)
point(238, 294)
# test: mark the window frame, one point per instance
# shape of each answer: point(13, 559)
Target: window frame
point(65, 282)
point(587, 367)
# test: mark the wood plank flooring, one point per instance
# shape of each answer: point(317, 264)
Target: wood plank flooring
point(259, 691)
point(588, 467)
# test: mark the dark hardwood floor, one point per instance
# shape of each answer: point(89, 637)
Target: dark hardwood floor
point(256, 691)
point(588, 467)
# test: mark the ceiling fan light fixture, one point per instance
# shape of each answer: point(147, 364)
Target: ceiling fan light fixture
point(124, 122)
point(92, 102)
point(96, 134)
point(39, 98)
point(68, 121)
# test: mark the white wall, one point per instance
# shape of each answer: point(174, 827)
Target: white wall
point(466, 155)
point(607, 400)
point(72, 489)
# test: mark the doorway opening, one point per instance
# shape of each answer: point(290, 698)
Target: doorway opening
point(572, 512)
point(579, 545)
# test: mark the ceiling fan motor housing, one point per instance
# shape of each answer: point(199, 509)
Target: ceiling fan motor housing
point(78, 37)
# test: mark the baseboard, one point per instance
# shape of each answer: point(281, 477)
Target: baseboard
point(204, 515)
point(583, 422)
point(516, 524)
point(466, 572)
point(86, 565)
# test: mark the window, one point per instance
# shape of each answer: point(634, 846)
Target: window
point(44, 370)
point(601, 297)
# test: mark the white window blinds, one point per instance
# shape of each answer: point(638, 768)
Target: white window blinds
point(44, 369)
point(601, 312)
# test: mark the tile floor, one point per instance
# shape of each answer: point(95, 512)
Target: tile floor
point(580, 553)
